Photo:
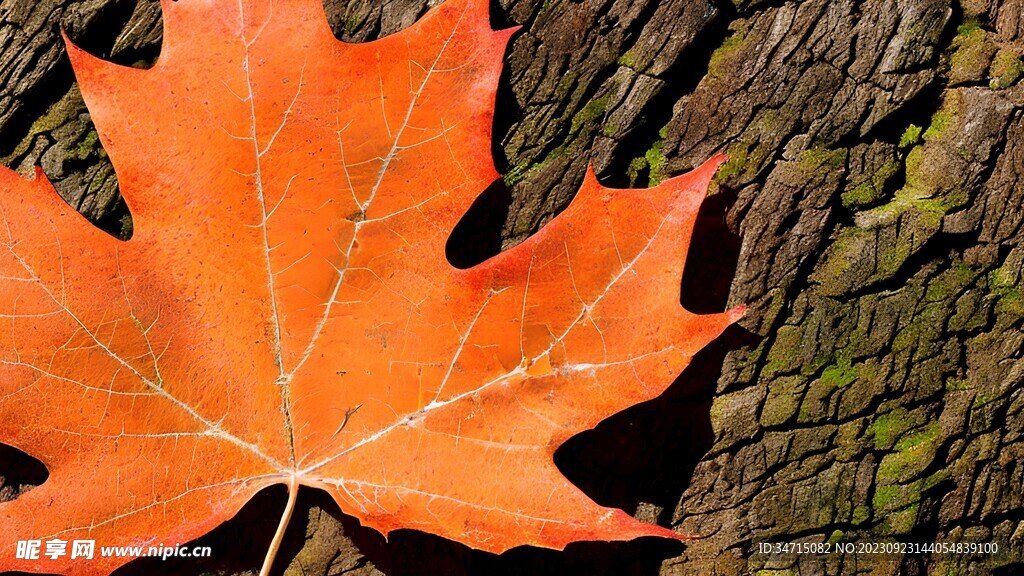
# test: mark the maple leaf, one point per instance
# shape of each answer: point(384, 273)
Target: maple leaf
point(284, 312)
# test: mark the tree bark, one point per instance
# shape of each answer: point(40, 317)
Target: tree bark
point(870, 215)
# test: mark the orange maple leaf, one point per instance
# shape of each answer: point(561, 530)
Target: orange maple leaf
point(284, 312)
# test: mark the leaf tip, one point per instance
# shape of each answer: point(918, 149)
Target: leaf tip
point(510, 31)
point(738, 312)
point(706, 171)
point(79, 58)
point(10, 177)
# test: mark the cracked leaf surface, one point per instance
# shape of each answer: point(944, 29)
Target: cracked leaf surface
point(285, 312)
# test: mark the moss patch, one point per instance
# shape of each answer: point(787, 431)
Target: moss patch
point(85, 147)
point(943, 117)
point(884, 495)
point(915, 439)
point(590, 113)
point(1007, 68)
point(872, 188)
point(888, 427)
point(627, 60)
point(911, 136)
point(860, 514)
point(744, 161)
point(727, 53)
point(839, 374)
point(815, 158)
point(352, 24)
point(57, 115)
point(651, 164)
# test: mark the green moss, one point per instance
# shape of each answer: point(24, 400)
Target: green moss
point(815, 158)
point(931, 481)
point(784, 353)
point(352, 24)
point(951, 282)
point(841, 373)
point(888, 427)
point(516, 174)
point(981, 399)
point(1002, 284)
point(744, 160)
point(841, 255)
point(940, 121)
point(911, 136)
point(84, 148)
point(860, 515)
point(1007, 67)
point(731, 47)
point(656, 162)
point(127, 226)
point(717, 409)
point(915, 439)
point(969, 27)
point(57, 115)
point(883, 496)
point(972, 53)
point(871, 189)
point(94, 185)
point(820, 361)
point(925, 193)
point(782, 401)
point(735, 165)
point(903, 521)
point(915, 163)
point(893, 467)
point(892, 258)
point(636, 167)
point(924, 330)
point(804, 413)
point(1011, 304)
point(523, 169)
point(564, 85)
point(910, 456)
point(593, 110)
point(836, 536)
point(954, 384)
point(627, 60)
point(652, 162)
point(1001, 281)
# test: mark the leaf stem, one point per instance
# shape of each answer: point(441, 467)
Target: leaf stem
point(275, 544)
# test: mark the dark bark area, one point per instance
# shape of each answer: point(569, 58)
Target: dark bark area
point(870, 215)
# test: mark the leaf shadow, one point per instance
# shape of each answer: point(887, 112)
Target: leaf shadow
point(410, 552)
point(237, 545)
point(19, 472)
point(641, 459)
point(477, 236)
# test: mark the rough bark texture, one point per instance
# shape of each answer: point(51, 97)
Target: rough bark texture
point(870, 215)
